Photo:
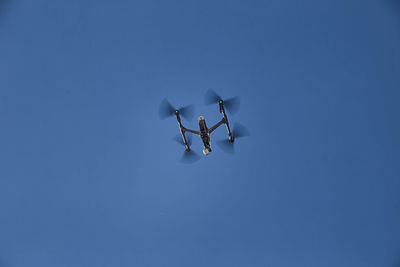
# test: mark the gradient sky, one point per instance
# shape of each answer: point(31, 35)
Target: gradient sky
point(89, 175)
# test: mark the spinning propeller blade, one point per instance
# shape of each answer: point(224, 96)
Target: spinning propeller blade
point(231, 104)
point(211, 97)
point(166, 110)
point(189, 157)
point(187, 112)
point(226, 146)
point(238, 131)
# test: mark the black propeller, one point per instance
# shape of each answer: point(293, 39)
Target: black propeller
point(238, 131)
point(166, 110)
point(231, 104)
point(189, 157)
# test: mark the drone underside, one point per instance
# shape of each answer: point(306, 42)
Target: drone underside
point(232, 105)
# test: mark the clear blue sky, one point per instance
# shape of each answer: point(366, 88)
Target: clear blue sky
point(89, 175)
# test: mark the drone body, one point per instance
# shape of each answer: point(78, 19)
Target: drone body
point(204, 132)
point(205, 135)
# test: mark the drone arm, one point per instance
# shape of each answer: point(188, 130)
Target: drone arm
point(184, 140)
point(190, 131)
point(217, 125)
point(182, 130)
point(226, 121)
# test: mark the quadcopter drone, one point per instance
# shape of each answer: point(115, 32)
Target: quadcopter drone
point(232, 105)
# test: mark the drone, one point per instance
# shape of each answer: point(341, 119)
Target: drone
point(187, 112)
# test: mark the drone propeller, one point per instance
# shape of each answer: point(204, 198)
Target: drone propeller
point(178, 138)
point(189, 157)
point(226, 146)
point(231, 104)
point(238, 131)
point(166, 110)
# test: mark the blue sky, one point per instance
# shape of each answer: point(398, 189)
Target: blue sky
point(89, 175)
